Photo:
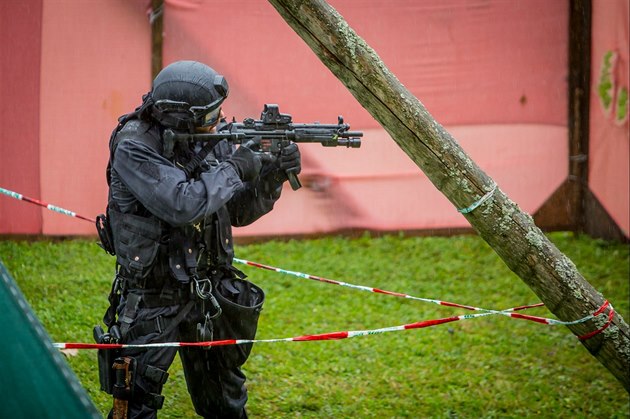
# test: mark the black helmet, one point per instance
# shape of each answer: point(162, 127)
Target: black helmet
point(188, 94)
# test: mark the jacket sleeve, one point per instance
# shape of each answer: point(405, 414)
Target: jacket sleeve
point(162, 188)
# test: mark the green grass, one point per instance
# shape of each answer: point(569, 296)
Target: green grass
point(488, 367)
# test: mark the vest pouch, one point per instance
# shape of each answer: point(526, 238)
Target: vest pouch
point(104, 230)
point(182, 255)
point(241, 303)
point(136, 240)
point(218, 235)
point(225, 238)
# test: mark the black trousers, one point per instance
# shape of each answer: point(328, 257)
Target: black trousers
point(214, 378)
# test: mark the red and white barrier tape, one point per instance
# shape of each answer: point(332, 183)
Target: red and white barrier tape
point(511, 312)
point(44, 204)
point(304, 338)
point(325, 336)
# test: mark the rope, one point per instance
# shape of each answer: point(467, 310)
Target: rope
point(611, 315)
point(479, 202)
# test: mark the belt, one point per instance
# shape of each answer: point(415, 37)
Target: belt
point(159, 324)
point(165, 297)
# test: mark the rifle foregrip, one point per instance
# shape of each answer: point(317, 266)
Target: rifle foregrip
point(294, 181)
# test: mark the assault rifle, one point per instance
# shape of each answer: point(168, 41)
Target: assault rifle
point(271, 133)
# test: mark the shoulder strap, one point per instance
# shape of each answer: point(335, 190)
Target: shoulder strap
point(198, 158)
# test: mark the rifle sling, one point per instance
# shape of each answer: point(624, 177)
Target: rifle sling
point(196, 161)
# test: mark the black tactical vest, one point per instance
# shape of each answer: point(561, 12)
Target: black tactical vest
point(144, 245)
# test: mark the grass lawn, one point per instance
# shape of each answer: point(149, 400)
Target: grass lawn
point(486, 367)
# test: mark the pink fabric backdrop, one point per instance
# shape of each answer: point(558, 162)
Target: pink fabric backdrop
point(493, 72)
point(469, 62)
point(609, 152)
point(20, 53)
point(95, 66)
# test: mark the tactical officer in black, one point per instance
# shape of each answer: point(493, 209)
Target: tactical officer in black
point(169, 214)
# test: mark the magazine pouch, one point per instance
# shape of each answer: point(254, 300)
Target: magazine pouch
point(136, 240)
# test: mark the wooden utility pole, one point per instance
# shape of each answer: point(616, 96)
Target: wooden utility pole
point(156, 19)
point(579, 89)
point(508, 230)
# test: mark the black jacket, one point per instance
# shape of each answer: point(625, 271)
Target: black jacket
point(155, 210)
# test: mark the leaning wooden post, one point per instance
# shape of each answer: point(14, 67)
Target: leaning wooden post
point(509, 231)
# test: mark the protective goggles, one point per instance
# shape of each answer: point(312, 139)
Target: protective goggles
point(202, 116)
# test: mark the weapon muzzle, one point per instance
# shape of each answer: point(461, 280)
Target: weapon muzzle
point(349, 142)
point(350, 139)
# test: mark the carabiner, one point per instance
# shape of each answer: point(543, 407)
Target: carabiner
point(203, 288)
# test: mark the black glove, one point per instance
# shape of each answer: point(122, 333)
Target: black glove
point(290, 159)
point(247, 163)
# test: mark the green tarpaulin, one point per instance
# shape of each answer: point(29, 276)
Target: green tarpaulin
point(35, 381)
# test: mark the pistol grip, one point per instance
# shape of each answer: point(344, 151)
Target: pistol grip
point(294, 181)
